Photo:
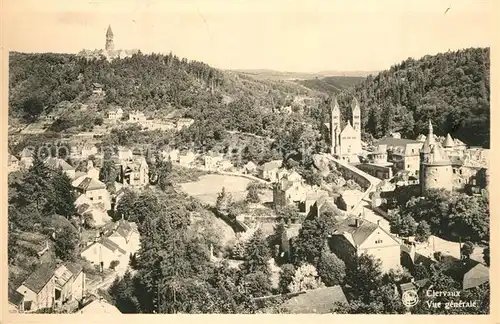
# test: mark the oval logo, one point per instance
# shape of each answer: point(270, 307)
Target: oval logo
point(410, 298)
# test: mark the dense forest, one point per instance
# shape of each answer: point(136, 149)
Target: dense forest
point(38, 82)
point(452, 89)
point(332, 84)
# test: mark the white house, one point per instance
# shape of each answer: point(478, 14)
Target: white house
point(94, 190)
point(39, 289)
point(269, 170)
point(103, 252)
point(89, 150)
point(115, 115)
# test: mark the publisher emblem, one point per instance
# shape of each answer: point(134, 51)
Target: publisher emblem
point(410, 298)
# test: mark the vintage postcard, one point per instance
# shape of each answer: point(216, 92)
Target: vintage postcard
point(218, 157)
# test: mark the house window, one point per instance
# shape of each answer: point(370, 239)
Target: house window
point(100, 198)
point(91, 198)
point(378, 241)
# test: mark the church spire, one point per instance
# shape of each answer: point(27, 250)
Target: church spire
point(109, 33)
point(109, 40)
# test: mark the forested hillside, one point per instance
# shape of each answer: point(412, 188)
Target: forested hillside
point(452, 89)
point(331, 84)
point(150, 83)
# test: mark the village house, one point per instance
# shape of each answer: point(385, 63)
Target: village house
point(98, 89)
point(26, 158)
point(84, 206)
point(355, 236)
point(99, 307)
point(288, 192)
point(56, 163)
point(104, 251)
point(127, 237)
point(136, 117)
point(16, 301)
point(39, 289)
point(468, 273)
point(211, 160)
point(269, 170)
point(135, 172)
point(348, 199)
point(13, 163)
point(63, 286)
point(186, 158)
point(184, 123)
point(78, 281)
point(404, 154)
point(249, 168)
point(88, 150)
point(94, 190)
point(115, 115)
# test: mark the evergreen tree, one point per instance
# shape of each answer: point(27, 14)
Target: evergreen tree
point(330, 268)
point(257, 254)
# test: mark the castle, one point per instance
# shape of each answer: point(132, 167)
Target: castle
point(346, 142)
point(109, 51)
point(436, 171)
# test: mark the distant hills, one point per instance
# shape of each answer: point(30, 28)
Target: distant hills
point(285, 75)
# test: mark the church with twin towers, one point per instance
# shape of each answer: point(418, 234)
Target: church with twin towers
point(346, 141)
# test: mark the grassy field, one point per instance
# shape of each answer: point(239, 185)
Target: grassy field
point(209, 186)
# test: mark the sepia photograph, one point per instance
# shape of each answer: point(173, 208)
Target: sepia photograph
point(219, 157)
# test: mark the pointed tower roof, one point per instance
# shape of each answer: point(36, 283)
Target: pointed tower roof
point(355, 105)
point(109, 32)
point(429, 140)
point(448, 142)
point(438, 156)
point(335, 105)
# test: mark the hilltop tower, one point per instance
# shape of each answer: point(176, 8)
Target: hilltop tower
point(435, 167)
point(335, 127)
point(109, 40)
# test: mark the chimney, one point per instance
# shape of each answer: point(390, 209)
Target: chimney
point(356, 222)
point(412, 279)
point(378, 222)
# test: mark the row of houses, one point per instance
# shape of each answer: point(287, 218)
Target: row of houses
point(138, 117)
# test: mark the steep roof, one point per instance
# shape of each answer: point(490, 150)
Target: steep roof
point(391, 141)
point(63, 275)
point(359, 234)
point(12, 158)
point(91, 184)
point(15, 297)
point(75, 268)
point(272, 165)
point(99, 307)
point(106, 242)
point(469, 272)
point(55, 163)
point(448, 142)
point(39, 278)
point(316, 301)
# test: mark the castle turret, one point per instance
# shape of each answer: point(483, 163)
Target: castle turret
point(435, 167)
point(448, 142)
point(109, 40)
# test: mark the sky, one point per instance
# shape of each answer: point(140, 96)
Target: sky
point(284, 35)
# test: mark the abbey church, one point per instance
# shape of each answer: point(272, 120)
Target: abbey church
point(109, 51)
point(346, 142)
